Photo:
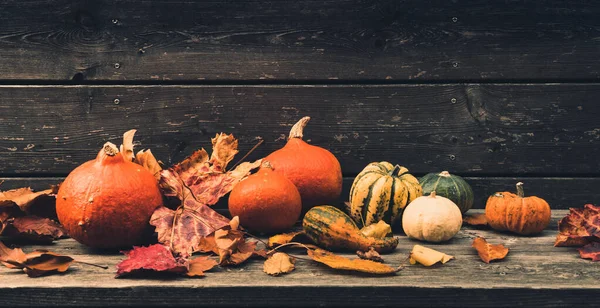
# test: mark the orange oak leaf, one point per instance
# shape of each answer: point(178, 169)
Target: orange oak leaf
point(199, 265)
point(590, 251)
point(488, 252)
point(36, 263)
point(157, 258)
point(580, 227)
point(343, 263)
point(476, 220)
point(279, 263)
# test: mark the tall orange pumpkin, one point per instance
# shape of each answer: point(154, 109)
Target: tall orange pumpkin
point(107, 202)
point(315, 171)
point(506, 211)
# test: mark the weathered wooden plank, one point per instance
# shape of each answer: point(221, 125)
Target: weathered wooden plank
point(298, 40)
point(533, 274)
point(470, 129)
point(561, 193)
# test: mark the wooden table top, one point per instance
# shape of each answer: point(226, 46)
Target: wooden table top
point(534, 274)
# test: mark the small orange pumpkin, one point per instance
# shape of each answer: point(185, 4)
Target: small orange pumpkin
point(506, 211)
point(266, 201)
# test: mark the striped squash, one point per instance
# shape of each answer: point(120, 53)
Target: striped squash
point(450, 186)
point(380, 192)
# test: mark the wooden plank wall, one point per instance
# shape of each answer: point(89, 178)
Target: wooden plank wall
point(496, 91)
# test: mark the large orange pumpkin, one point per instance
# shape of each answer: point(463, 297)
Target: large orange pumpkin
point(107, 202)
point(506, 211)
point(315, 171)
point(266, 201)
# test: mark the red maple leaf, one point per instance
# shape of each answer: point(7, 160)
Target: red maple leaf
point(157, 257)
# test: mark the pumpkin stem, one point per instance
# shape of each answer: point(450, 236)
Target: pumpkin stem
point(432, 194)
point(110, 149)
point(298, 128)
point(395, 170)
point(444, 174)
point(520, 191)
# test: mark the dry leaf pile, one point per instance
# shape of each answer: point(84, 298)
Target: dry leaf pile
point(29, 215)
point(581, 228)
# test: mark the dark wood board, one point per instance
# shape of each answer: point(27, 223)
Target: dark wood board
point(561, 193)
point(467, 129)
point(534, 274)
point(311, 40)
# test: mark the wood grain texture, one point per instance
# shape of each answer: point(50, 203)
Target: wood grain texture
point(561, 193)
point(298, 40)
point(470, 129)
point(533, 274)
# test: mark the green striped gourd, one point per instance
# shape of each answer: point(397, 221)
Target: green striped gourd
point(380, 192)
point(450, 186)
point(332, 229)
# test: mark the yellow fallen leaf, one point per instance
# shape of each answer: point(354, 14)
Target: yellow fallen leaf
point(279, 263)
point(378, 230)
point(342, 263)
point(285, 238)
point(427, 256)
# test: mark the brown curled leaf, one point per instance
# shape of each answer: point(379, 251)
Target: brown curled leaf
point(427, 256)
point(488, 252)
point(342, 263)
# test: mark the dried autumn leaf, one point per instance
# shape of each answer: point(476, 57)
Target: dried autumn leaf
point(206, 180)
point(590, 251)
point(183, 229)
point(284, 238)
point(580, 227)
point(36, 228)
point(34, 264)
point(342, 263)
point(24, 198)
point(372, 255)
point(199, 265)
point(127, 147)
point(40, 263)
point(427, 256)
point(378, 230)
point(146, 159)
point(476, 220)
point(155, 257)
point(232, 247)
point(16, 255)
point(224, 149)
point(279, 263)
point(488, 252)
point(197, 182)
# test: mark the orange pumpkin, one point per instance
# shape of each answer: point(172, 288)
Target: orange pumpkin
point(266, 201)
point(107, 202)
point(506, 211)
point(314, 170)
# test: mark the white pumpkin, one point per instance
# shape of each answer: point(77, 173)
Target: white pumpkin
point(431, 218)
